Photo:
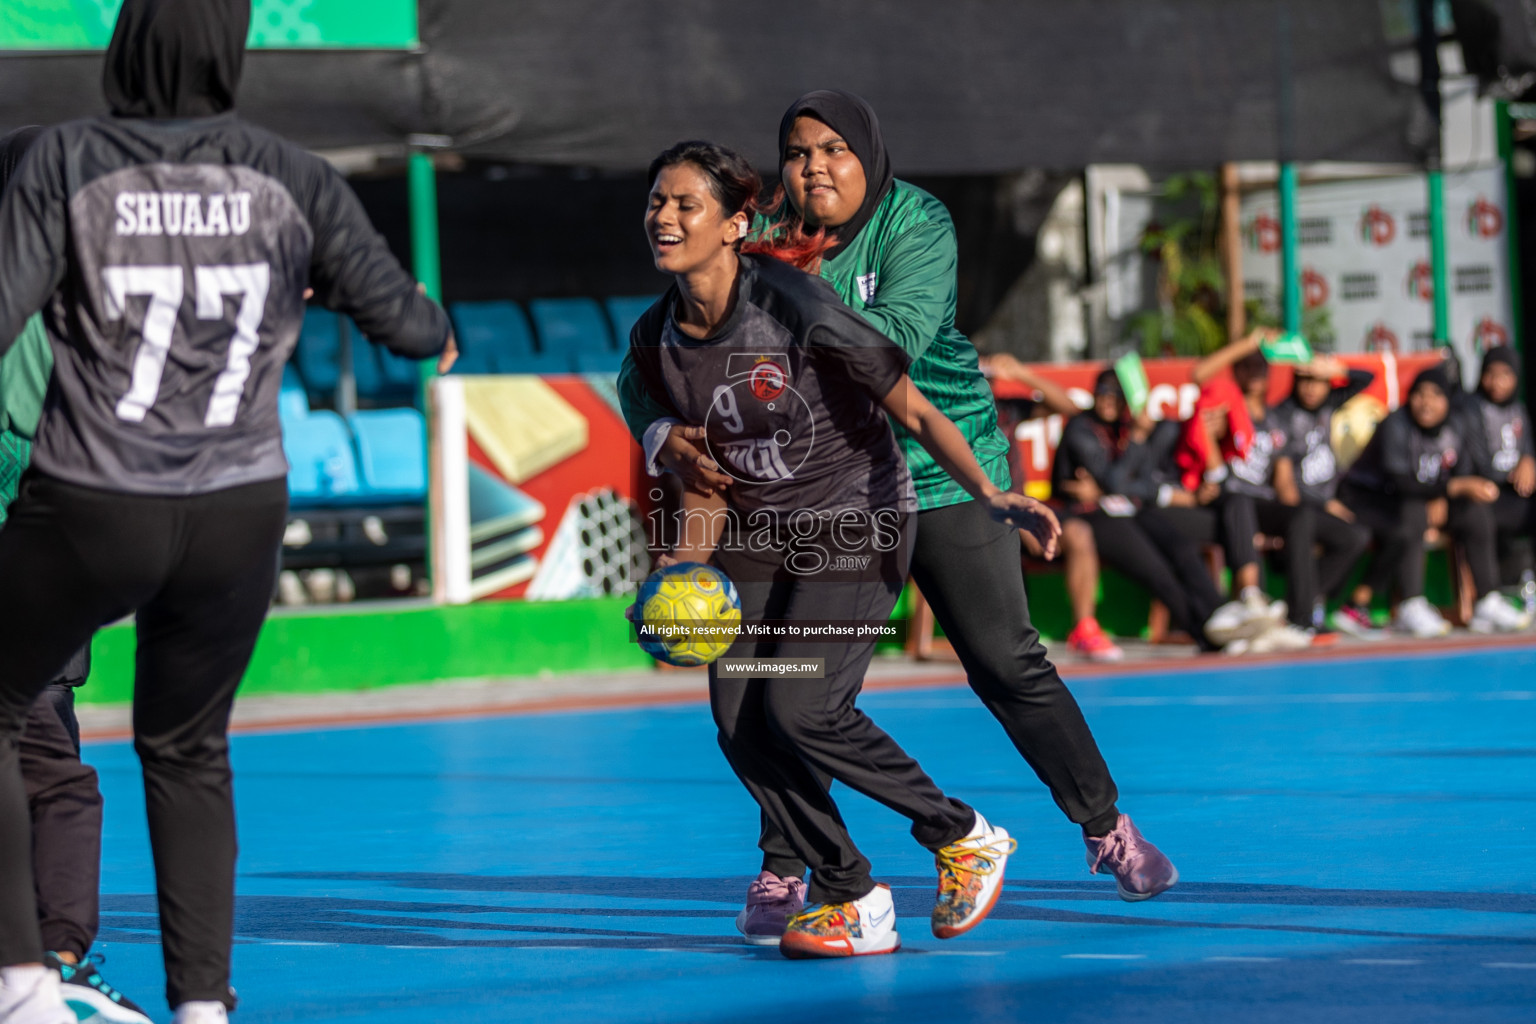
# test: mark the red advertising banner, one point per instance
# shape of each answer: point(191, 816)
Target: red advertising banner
point(1173, 396)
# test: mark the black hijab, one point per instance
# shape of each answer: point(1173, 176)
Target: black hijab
point(1498, 354)
point(855, 121)
point(176, 58)
point(1432, 376)
point(14, 146)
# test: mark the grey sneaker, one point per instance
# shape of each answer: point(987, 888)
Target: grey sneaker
point(1494, 614)
point(1140, 869)
point(1243, 620)
point(771, 902)
point(1418, 618)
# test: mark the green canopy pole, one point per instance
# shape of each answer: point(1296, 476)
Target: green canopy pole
point(1290, 263)
point(1437, 258)
point(1290, 268)
point(426, 260)
point(1504, 123)
point(425, 257)
point(1428, 47)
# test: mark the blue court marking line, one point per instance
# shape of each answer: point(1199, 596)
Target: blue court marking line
point(587, 865)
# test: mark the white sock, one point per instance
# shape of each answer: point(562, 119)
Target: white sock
point(1251, 594)
point(202, 1009)
point(22, 979)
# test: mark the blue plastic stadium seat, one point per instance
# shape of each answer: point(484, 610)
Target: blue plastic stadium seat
point(292, 403)
point(599, 362)
point(402, 376)
point(571, 325)
point(381, 376)
point(623, 311)
point(490, 335)
point(322, 470)
point(543, 362)
point(391, 453)
point(319, 351)
point(365, 365)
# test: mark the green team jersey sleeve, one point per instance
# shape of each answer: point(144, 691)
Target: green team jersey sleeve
point(899, 273)
point(915, 287)
point(24, 373)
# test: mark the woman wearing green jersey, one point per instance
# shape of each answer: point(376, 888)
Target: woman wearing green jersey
point(892, 258)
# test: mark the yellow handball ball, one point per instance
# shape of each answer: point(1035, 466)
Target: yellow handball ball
point(689, 614)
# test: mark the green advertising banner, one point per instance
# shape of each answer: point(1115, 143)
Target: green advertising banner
point(43, 25)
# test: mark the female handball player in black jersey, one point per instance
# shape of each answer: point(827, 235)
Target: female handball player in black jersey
point(792, 388)
point(889, 251)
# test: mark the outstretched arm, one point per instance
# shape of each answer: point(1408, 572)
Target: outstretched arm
point(1053, 396)
point(353, 271)
point(943, 440)
point(1224, 357)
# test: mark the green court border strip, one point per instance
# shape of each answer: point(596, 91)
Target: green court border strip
point(348, 649)
point(351, 649)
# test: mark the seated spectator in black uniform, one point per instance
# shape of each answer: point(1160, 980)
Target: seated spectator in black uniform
point(1102, 476)
point(1306, 420)
point(1078, 554)
point(1261, 494)
point(1414, 475)
point(1209, 509)
point(1502, 451)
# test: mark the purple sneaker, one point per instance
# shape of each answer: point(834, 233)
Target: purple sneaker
point(1140, 869)
point(771, 902)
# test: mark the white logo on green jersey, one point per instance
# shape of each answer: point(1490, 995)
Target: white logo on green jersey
point(867, 287)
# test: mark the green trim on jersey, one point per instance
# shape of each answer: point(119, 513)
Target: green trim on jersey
point(24, 373)
point(900, 274)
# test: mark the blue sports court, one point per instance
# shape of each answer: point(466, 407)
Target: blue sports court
point(1354, 837)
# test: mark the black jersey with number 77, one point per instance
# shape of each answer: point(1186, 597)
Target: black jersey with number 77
point(170, 260)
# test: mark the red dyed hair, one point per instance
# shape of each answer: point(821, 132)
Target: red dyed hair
point(785, 238)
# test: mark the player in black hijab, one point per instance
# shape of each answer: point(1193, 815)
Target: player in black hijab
point(1502, 451)
point(169, 246)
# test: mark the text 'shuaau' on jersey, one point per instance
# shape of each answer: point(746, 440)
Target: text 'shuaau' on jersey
point(168, 246)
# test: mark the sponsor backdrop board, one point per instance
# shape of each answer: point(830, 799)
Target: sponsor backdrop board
point(1364, 249)
point(534, 487)
point(62, 25)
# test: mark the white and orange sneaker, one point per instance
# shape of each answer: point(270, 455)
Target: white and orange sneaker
point(861, 928)
point(970, 878)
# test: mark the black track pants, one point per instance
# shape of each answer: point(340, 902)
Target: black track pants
point(65, 801)
point(1474, 526)
point(785, 737)
point(1397, 525)
point(967, 567)
point(1515, 518)
point(1304, 528)
point(199, 573)
point(1150, 549)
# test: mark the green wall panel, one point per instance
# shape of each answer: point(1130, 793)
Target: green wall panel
point(275, 24)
